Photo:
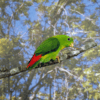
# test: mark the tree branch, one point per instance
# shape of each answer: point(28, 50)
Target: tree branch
point(88, 44)
point(69, 73)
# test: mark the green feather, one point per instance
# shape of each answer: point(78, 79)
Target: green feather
point(51, 47)
point(48, 46)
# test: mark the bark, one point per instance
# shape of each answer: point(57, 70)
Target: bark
point(90, 44)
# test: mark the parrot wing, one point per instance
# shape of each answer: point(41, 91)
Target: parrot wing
point(48, 46)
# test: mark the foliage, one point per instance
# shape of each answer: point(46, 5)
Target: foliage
point(24, 24)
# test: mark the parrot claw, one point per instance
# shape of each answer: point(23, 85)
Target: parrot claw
point(57, 57)
point(77, 48)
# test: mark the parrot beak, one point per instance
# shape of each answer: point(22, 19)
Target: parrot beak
point(72, 45)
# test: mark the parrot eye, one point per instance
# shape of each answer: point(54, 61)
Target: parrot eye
point(68, 39)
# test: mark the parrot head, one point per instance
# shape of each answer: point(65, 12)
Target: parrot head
point(70, 42)
point(65, 40)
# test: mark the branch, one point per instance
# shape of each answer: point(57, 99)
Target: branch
point(69, 73)
point(58, 12)
point(84, 16)
point(89, 44)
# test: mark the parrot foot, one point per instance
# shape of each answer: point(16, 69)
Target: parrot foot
point(57, 57)
point(77, 48)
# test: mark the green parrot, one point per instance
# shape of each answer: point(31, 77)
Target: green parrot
point(49, 49)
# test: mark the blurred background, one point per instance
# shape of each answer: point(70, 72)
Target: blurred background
point(24, 24)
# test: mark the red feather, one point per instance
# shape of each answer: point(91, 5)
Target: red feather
point(34, 59)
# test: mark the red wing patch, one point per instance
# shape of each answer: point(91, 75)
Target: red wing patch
point(34, 59)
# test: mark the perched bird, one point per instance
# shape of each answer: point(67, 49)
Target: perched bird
point(49, 49)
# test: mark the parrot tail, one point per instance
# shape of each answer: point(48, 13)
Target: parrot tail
point(34, 61)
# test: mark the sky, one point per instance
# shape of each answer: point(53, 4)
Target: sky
point(24, 35)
